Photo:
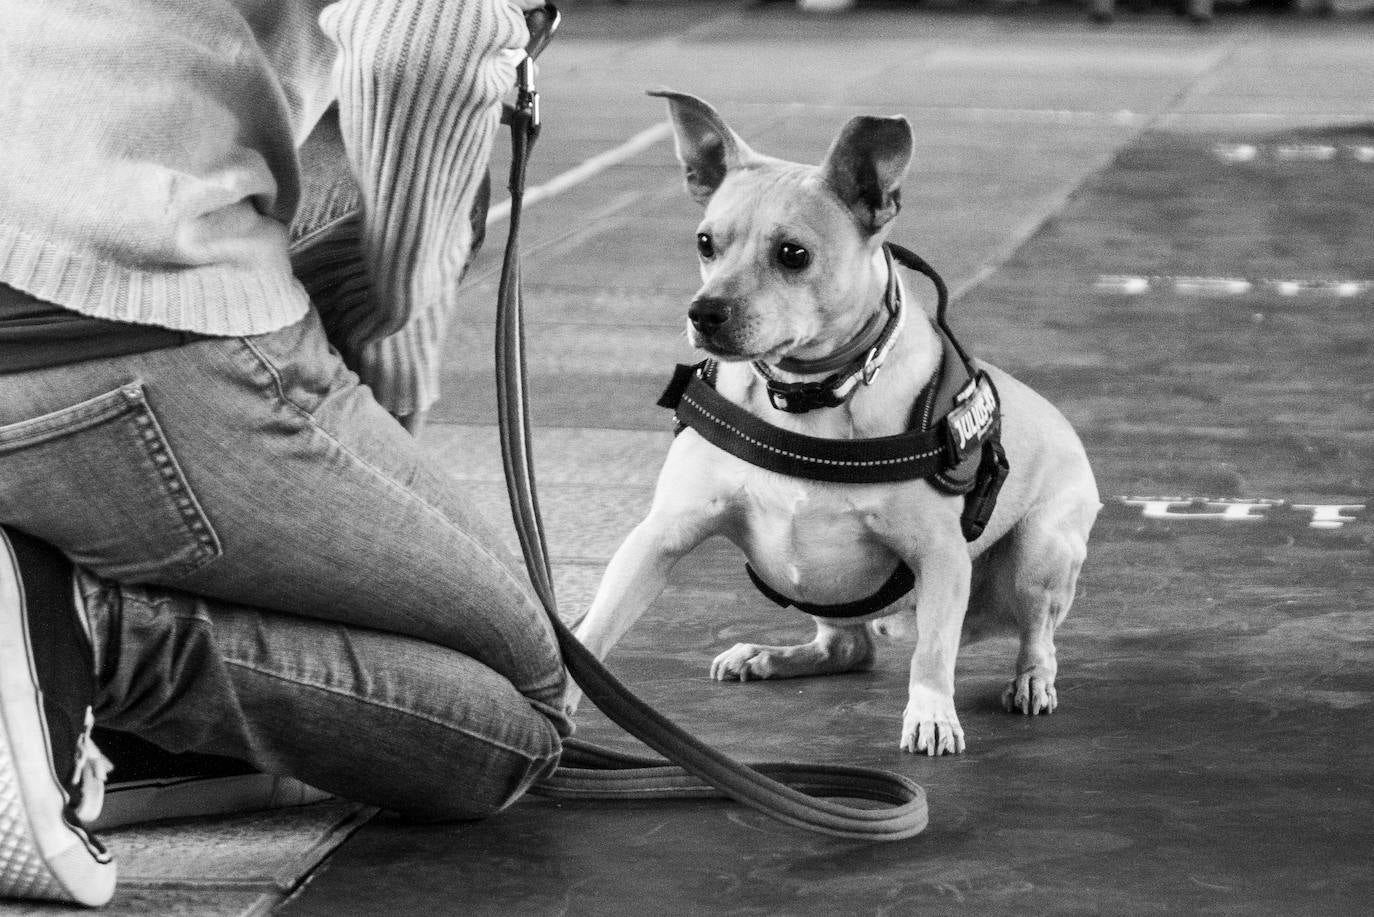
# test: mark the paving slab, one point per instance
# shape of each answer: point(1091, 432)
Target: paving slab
point(233, 866)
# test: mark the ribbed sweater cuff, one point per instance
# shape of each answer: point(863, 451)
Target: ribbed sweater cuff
point(419, 93)
point(403, 369)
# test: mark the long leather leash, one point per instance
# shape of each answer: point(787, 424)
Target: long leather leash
point(801, 795)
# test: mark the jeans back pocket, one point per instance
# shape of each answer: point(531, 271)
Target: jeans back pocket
point(99, 480)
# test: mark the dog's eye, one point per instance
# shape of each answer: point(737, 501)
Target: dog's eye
point(792, 256)
point(706, 248)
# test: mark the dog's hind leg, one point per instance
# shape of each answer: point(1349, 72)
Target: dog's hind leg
point(835, 648)
point(1035, 580)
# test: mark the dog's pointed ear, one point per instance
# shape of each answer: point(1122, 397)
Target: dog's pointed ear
point(706, 147)
point(866, 165)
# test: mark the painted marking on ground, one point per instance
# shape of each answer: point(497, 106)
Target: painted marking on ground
point(585, 170)
point(1140, 284)
point(1294, 152)
point(1230, 509)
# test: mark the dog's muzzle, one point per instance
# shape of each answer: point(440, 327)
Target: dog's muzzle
point(708, 315)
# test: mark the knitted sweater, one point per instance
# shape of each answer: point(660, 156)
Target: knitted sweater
point(148, 167)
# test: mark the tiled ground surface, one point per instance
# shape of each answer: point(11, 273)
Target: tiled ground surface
point(1213, 753)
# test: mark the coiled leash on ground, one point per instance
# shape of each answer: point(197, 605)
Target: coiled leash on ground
point(792, 793)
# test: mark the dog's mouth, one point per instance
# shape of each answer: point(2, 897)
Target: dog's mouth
point(721, 352)
point(731, 354)
point(730, 351)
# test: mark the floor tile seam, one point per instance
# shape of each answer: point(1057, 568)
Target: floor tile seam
point(1027, 229)
point(267, 904)
point(265, 883)
point(296, 875)
point(1230, 51)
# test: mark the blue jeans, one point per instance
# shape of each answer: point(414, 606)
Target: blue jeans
point(275, 572)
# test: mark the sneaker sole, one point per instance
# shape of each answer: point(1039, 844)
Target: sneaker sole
point(41, 854)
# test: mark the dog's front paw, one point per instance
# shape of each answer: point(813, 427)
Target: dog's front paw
point(742, 662)
point(931, 727)
point(1031, 694)
point(895, 626)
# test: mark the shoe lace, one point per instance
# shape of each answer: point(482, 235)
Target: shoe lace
point(92, 769)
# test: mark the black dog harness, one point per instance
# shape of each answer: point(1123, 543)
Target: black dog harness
point(953, 440)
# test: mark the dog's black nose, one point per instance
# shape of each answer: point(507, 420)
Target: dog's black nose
point(707, 315)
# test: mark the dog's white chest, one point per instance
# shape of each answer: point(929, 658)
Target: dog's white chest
point(816, 542)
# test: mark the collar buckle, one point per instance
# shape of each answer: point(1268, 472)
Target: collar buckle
point(803, 397)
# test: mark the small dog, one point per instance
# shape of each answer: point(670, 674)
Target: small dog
point(796, 279)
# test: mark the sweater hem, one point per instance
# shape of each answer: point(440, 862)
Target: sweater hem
point(216, 299)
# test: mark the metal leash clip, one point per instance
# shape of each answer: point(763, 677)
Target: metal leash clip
point(542, 23)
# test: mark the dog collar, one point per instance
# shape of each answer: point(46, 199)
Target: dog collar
point(858, 361)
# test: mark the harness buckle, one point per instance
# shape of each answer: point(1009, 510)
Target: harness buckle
point(982, 500)
point(802, 397)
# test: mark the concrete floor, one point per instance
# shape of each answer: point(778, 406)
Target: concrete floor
point(1212, 754)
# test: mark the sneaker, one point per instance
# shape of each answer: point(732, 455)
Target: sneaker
point(51, 774)
point(149, 784)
